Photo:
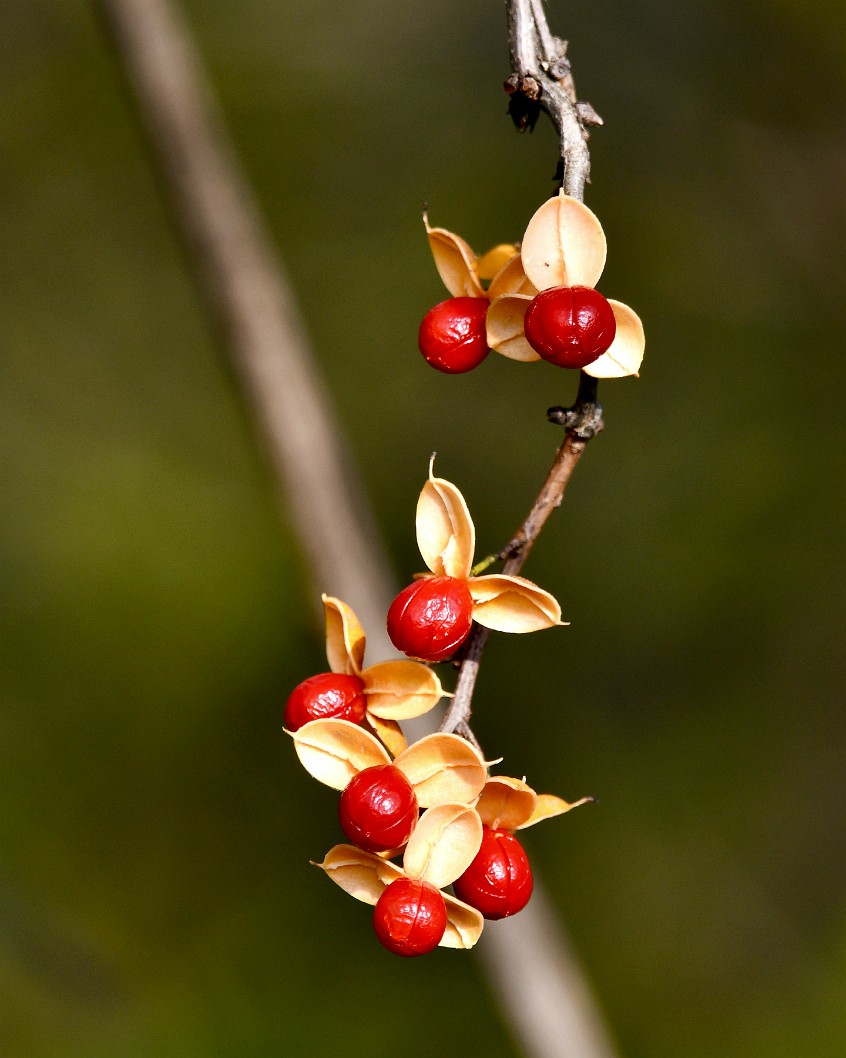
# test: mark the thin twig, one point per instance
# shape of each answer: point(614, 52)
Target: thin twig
point(547, 42)
point(541, 79)
point(563, 1022)
point(536, 55)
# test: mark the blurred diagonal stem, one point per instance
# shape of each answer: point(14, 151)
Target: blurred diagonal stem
point(539, 986)
point(249, 300)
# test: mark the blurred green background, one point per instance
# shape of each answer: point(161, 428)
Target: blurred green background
point(155, 831)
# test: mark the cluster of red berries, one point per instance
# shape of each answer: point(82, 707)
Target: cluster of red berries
point(433, 803)
point(464, 836)
point(532, 301)
point(566, 326)
point(410, 916)
point(378, 813)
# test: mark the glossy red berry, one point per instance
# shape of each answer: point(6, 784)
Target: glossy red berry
point(499, 880)
point(570, 326)
point(378, 808)
point(431, 618)
point(452, 335)
point(410, 917)
point(330, 694)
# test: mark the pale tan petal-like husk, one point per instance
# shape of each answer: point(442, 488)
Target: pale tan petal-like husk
point(443, 767)
point(464, 924)
point(390, 733)
point(506, 803)
point(511, 279)
point(564, 245)
point(494, 260)
point(398, 690)
point(359, 873)
point(444, 844)
point(455, 262)
point(625, 354)
point(334, 751)
point(512, 604)
point(344, 637)
point(446, 535)
point(548, 806)
point(504, 326)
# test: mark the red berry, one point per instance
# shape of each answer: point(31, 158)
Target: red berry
point(329, 694)
point(431, 618)
point(499, 880)
point(410, 917)
point(378, 808)
point(452, 335)
point(570, 326)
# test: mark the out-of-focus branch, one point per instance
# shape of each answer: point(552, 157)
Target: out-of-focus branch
point(538, 983)
point(544, 994)
point(246, 292)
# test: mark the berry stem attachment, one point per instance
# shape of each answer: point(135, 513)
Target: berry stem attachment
point(582, 422)
point(485, 563)
point(584, 418)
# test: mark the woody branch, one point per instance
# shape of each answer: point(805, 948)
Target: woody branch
point(541, 79)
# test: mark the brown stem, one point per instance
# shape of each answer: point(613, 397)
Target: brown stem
point(582, 421)
point(548, 499)
point(541, 79)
